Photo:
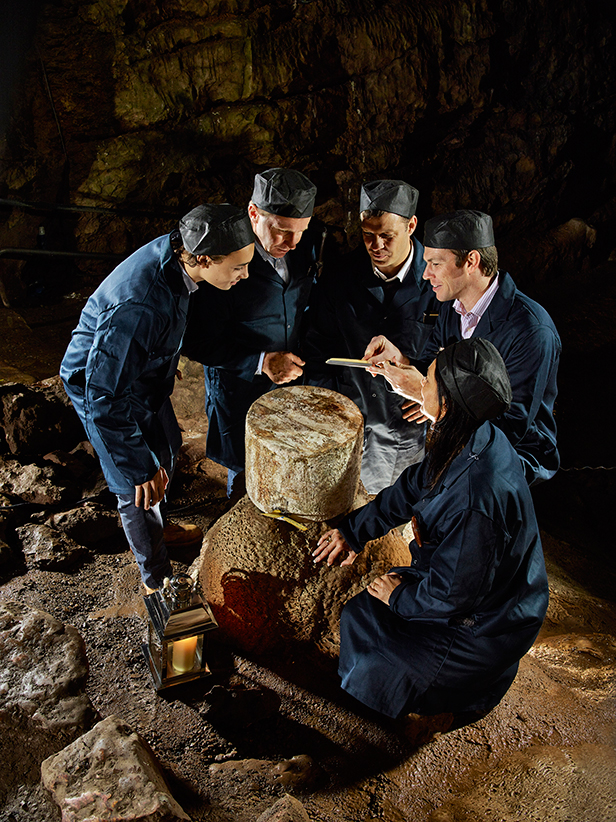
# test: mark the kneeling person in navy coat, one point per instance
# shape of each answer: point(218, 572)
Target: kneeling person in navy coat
point(445, 635)
point(120, 366)
point(376, 289)
point(479, 300)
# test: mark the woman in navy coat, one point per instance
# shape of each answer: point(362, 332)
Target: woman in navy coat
point(446, 633)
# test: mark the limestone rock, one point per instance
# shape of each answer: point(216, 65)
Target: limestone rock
point(31, 483)
point(266, 591)
point(109, 774)
point(47, 548)
point(71, 463)
point(295, 773)
point(38, 418)
point(287, 773)
point(303, 451)
point(287, 809)
point(88, 524)
point(43, 706)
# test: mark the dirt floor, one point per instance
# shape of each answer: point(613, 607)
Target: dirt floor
point(231, 744)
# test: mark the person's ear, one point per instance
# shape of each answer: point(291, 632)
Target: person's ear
point(204, 261)
point(473, 260)
point(412, 225)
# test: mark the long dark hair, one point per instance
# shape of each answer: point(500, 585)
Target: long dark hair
point(448, 435)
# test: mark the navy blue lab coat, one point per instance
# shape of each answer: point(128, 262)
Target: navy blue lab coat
point(473, 598)
point(227, 331)
point(350, 305)
point(119, 367)
point(528, 342)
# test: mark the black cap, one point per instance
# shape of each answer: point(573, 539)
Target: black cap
point(216, 229)
point(476, 376)
point(285, 192)
point(464, 229)
point(393, 196)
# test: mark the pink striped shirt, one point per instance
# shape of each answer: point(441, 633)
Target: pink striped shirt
point(470, 319)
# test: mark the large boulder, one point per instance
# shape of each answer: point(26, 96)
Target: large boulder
point(36, 484)
point(48, 549)
point(43, 706)
point(38, 418)
point(265, 589)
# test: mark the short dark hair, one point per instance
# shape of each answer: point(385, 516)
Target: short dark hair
point(488, 262)
point(371, 213)
point(190, 259)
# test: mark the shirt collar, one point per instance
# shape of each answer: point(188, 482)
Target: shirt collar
point(480, 307)
point(403, 271)
point(279, 264)
point(191, 285)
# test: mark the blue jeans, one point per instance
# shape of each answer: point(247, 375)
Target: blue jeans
point(144, 532)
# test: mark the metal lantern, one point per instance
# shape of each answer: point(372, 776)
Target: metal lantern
point(178, 622)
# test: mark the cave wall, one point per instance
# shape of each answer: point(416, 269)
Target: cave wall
point(152, 107)
point(144, 109)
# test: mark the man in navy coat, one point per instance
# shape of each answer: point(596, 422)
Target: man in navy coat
point(119, 368)
point(376, 289)
point(253, 344)
point(478, 299)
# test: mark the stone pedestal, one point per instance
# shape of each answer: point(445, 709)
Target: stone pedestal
point(266, 592)
point(303, 452)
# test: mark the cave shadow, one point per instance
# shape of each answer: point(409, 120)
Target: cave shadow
point(275, 708)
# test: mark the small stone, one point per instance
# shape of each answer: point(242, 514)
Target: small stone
point(287, 809)
point(296, 772)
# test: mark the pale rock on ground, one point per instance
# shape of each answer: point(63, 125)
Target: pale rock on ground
point(110, 775)
point(43, 705)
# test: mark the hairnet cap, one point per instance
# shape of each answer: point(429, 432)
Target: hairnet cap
point(216, 229)
point(476, 376)
point(460, 229)
point(285, 192)
point(393, 196)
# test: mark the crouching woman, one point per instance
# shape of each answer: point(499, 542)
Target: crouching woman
point(446, 634)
